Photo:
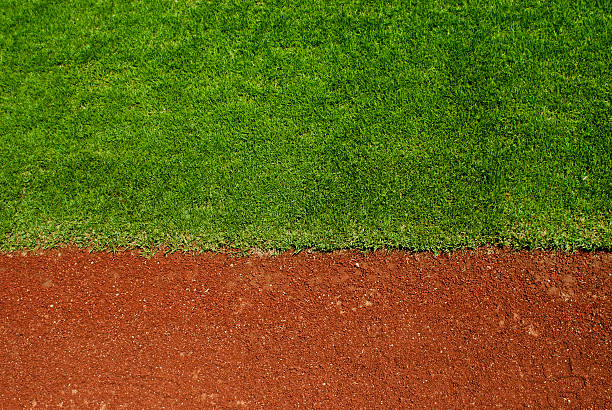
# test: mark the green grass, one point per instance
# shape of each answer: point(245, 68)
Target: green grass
point(367, 124)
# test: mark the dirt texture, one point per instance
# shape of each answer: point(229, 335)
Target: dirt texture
point(318, 330)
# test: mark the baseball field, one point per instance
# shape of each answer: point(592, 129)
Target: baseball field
point(374, 204)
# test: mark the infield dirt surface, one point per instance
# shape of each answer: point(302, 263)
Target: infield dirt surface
point(320, 330)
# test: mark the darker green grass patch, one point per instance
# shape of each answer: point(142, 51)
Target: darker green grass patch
point(348, 124)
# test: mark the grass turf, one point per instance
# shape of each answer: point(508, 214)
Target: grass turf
point(421, 124)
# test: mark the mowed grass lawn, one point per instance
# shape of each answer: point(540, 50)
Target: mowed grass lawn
point(365, 124)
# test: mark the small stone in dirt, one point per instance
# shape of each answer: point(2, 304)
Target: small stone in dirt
point(569, 280)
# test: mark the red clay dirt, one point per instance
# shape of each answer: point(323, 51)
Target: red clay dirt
point(318, 330)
